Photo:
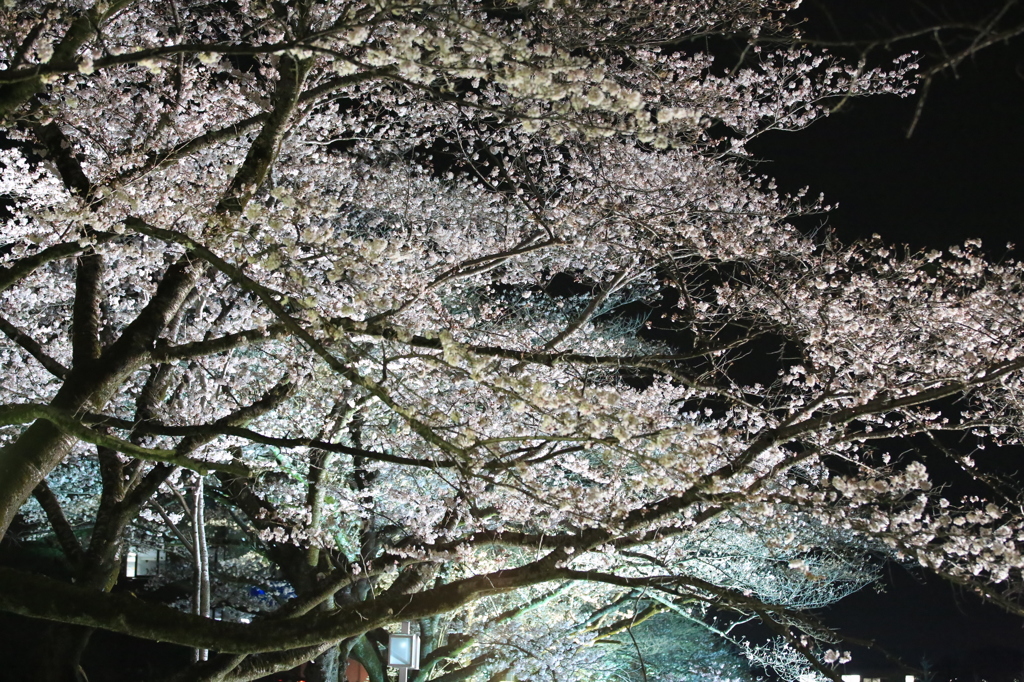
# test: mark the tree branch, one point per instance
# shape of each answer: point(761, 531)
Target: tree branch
point(36, 596)
point(33, 348)
point(255, 667)
point(69, 543)
point(265, 295)
point(85, 325)
point(66, 65)
point(18, 86)
point(210, 431)
point(161, 159)
point(173, 526)
point(264, 148)
point(23, 267)
point(590, 310)
point(66, 422)
point(59, 150)
point(164, 352)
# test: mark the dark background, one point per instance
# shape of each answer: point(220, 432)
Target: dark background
point(959, 176)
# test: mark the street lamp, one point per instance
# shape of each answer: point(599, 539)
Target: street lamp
point(404, 651)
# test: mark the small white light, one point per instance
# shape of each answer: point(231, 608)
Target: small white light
point(400, 650)
point(908, 678)
point(850, 678)
point(129, 568)
point(404, 649)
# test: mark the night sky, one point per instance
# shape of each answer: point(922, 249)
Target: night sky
point(960, 176)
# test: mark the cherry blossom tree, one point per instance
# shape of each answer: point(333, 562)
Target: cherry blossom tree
point(367, 268)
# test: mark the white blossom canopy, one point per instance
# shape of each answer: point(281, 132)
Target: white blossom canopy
point(366, 266)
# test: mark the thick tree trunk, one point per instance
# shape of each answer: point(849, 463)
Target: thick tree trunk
point(325, 667)
point(59, 655)
point(27, 461)
point(60, 651)
point(365, 652)
point(42, 446)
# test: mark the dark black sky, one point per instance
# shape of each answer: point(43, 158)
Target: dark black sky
point(917, 615)
point(960, 176)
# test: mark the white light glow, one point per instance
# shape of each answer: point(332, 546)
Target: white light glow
point(850, 678)
point(400, 651)
point(129, 569)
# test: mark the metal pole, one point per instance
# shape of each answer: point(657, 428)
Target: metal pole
point(403, 673)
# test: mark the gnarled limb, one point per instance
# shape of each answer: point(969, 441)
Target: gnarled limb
point(264, 148)
point(263, 515)
point(65, 421)
point(85, 325)
point(213, 670)
point(366, 653)
point(210, 431)
point(197, 349)
point(33, 348)
point(161, 159)
point(40, 597)
point(69, 543)
point(59, 150)
point(255, 667)
point(25, 266)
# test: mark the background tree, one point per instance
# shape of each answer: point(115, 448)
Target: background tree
point(365, 269)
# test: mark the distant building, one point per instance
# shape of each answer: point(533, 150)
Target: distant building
point(143, 561)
